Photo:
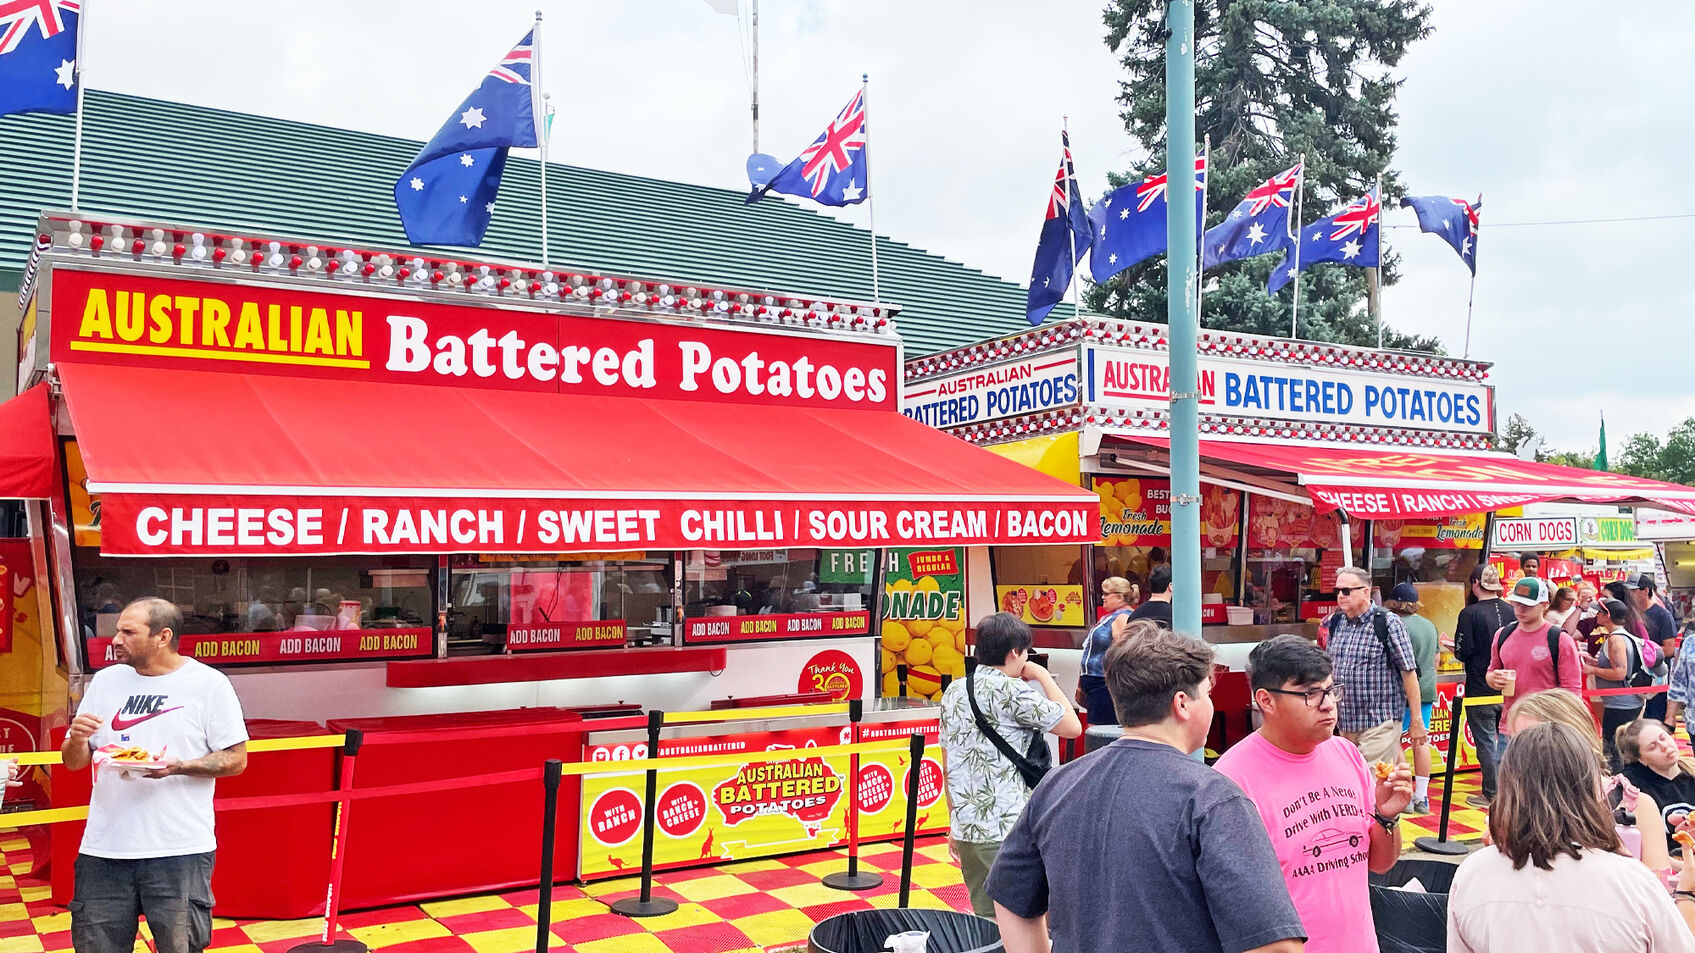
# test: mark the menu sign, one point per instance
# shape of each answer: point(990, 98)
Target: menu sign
point(1284, 524)
point(294, 330)
point(923, 620)
point(1042, 605)
point(239, 648)
point(991, 393)
point(1453, 532)
point(760, 628)
point(1137, 512)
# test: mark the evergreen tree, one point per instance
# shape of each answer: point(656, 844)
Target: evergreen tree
point(1273, 79)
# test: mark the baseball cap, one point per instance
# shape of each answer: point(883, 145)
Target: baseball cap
point(1529, 591)
point(1639, 581)
point(1490, 579)
point(1404, 592)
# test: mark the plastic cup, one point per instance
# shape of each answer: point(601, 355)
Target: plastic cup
point(1509, 682)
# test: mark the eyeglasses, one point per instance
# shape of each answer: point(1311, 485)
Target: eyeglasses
point(1314, 696)
point(1348, 590)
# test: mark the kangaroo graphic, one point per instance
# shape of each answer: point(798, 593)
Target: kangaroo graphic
point(615, 862)
point(706, 848)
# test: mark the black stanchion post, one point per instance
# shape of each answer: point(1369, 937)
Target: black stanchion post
point(853, 879)
point(549, 819)
point(913, 771)
point(900, 677)
point(1440, 844)
point(647, 905)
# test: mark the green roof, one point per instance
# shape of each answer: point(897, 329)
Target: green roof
point(221, 170)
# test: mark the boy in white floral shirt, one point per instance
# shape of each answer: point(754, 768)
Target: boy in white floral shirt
point(1019, 700)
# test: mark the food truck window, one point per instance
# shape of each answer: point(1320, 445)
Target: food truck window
point(565, 601)
point(752, 582)
point(1043, 585)
point(1435, 555)
point(297, 610)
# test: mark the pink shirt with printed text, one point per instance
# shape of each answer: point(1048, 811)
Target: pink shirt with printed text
point(1317, 808)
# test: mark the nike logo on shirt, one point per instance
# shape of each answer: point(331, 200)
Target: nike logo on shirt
point(119, 723)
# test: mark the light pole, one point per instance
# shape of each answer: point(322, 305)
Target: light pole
point(1180, 271)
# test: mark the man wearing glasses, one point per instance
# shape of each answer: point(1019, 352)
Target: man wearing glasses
point(1329, 817)
point(1373, 657)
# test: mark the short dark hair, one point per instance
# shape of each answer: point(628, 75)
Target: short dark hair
point(1530, 558)
point(998, 636)
point(1616, 611)
point(1287, 658)
point(1143, 674)
point(1159, 579)
point(161, 615)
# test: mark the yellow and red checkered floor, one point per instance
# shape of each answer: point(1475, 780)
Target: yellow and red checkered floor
point(746, 907)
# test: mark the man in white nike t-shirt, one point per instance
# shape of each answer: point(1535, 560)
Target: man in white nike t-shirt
point(149, 843)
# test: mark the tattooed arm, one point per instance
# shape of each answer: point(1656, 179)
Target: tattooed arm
point(219, 764)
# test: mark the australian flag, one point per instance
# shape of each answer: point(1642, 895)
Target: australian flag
point(833, 170)
point(446, 196)
point(38, 56)
point(1129, 224)
point(1065, 240)
point(1257, 225)
point(1453, 219)
point(1349, 237)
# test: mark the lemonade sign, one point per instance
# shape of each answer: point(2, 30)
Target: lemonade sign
point(923, 619)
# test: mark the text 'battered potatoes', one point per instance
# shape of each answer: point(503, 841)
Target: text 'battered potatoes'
point(929, 648)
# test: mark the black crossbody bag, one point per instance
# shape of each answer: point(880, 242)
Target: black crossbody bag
point(1034, 764)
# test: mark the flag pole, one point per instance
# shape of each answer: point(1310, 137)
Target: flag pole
point(1379, 268)
point(1293, 227)
point(1076, 299)
point(76, 139)
point(870, 195)
point(1201, 228)
point(1471, 294)
point(542, 127)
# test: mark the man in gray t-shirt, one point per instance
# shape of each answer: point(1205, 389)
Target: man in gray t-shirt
point(1137, 847)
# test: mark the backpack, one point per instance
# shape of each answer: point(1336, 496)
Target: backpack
point(1380, 622)
point(1554, 633)
point(1640, 674)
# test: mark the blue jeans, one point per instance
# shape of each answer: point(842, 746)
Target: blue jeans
point(1485, 722)
point(174, 893)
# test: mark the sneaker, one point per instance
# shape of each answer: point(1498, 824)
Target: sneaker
point(1477, 800)
point(1419, 806)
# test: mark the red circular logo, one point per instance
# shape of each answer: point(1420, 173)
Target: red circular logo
point(929, 783)
point(876, 788)
point(681, 809)
point(832, 671)
point(615, 817)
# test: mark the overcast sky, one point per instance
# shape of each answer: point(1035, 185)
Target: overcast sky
point(1554, 110)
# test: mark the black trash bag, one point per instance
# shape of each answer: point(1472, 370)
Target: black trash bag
point(868, 931)
point(1412, 922)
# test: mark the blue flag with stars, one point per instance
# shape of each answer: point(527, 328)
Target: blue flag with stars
point(446, 196)
point(1453, 219)
point(38, 53)
point(834, 170)
point(1259, 224)
point(1129, 224)
point(1066, 236)
point(1349, 237)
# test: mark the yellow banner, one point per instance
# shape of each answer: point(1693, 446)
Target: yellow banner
point(85, 506)
point(1042, 605)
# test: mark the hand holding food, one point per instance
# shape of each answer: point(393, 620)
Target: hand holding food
point(1394, 789)
point(1383, 769)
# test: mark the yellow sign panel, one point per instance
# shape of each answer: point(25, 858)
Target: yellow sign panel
point(735, 812)
point(85, 506)
point(1042, 605)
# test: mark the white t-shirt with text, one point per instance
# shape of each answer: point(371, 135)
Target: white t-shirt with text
point(181, 716)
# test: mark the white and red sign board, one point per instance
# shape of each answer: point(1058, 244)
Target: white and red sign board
point(229, 525)
point(1660, 524)
point(1534, 533)
point(1370, 503)
point(1141, 380)
point(760, 628)
point(293, 330)
point(293, 646)
point(1005, 390)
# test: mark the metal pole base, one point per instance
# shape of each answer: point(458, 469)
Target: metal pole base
point(842, 880)
point(637, 907)
point(1432, 845)
point(339, 946)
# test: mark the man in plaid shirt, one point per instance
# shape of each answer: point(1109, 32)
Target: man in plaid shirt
point(1377, 689)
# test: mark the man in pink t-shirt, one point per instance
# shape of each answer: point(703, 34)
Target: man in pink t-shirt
point(1525, 653)
point(1330, 819)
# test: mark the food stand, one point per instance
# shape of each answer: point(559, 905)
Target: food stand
point(387, 485)
point(1313, 456)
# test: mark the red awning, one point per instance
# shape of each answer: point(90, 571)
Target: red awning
point(216, 463)
point(1376, 482)
point(26, 446)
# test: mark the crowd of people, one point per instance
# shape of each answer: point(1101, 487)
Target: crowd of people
point(1141, 845)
